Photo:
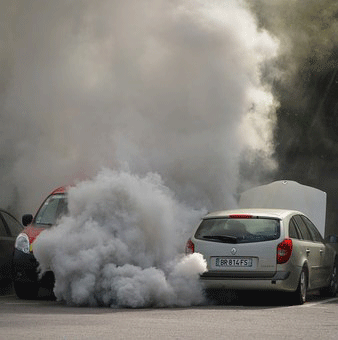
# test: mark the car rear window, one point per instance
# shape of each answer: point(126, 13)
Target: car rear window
point(238, 230)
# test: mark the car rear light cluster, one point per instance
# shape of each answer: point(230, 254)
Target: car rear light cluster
point(189, 247)
point(284, 251)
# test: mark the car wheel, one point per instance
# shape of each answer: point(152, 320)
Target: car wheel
point(331, 289)
point(301, 292)
point(26, 291)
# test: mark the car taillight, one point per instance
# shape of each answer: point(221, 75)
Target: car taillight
point(189, 247)
point(284, 251)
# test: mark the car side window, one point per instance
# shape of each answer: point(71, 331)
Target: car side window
point(313, 230)
point(3, 231)
point(305, 234)
point(293, 232)
point(13, 225)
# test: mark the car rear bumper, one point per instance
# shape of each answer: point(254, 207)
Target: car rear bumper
point(279, 281)
point(25, 269)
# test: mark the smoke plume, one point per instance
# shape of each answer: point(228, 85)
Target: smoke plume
point(306, 88)
point(121, 245)
point(170, 87)
point(166, 94)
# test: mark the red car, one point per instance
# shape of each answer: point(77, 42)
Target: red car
point(25, 265)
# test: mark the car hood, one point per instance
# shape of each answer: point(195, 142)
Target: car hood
point(33, 232)
point(288, 195)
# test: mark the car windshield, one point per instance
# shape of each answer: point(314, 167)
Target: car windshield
point(238, 230)
point(52, 209)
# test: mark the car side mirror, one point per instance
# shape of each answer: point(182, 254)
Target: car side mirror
point(27, 219)
point(332, 239)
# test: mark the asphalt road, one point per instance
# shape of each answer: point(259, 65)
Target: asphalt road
point(258, 317)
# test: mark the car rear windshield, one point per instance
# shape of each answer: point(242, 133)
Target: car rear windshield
point(52, 209)
point(238, 230)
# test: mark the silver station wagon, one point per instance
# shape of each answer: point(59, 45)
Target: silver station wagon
point(265, 249)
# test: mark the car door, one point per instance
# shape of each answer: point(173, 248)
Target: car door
point(10, 228)
point(6, 250)
point(313, 253)
point(325, 259)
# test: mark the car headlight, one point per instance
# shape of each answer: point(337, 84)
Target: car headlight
point(22, 243)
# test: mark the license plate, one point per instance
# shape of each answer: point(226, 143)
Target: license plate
point(221, 262)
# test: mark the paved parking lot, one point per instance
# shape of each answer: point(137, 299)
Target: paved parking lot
point(255, 319)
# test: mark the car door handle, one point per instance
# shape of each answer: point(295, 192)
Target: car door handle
point(307, 252)
point(321, 251)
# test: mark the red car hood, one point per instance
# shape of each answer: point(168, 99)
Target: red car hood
point(33, 232)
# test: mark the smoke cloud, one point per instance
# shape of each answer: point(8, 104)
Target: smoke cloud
point(306, 88)
point(121, 245)
point(170, 87)
point(166, 94)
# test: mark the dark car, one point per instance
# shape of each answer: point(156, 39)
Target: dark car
point(25, 265)
point(10, 228)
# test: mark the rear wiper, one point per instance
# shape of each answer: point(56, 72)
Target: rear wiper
point(223, 238)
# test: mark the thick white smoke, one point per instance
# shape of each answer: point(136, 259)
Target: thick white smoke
point(122, 244)
point(165, 87)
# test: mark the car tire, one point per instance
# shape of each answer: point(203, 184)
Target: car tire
point(299, 296)
point(332, 288)
point(26, 291)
